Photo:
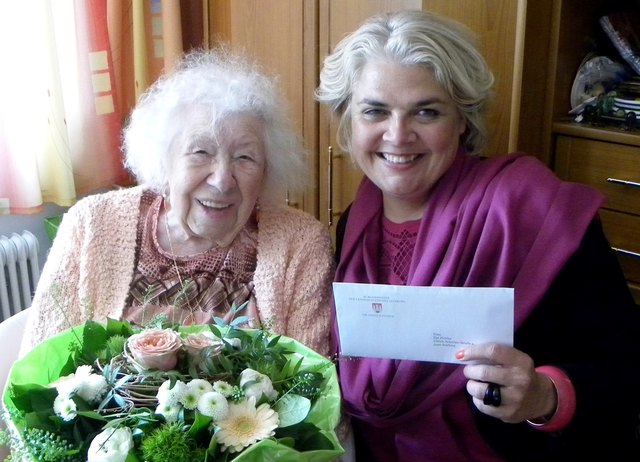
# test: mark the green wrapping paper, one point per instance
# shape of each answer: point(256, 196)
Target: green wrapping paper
point(53, 359)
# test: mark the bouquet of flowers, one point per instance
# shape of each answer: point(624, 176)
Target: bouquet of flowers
point(109, 392)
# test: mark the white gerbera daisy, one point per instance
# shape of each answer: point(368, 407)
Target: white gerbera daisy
point(64, 407)
point(222, 387)
point(170, 412)
point(214, 405)
point(245, 425)
point(171, 396)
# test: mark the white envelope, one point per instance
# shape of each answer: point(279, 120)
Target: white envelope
point(420, 323)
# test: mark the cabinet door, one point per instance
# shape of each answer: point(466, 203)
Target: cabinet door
point(339, 177)
point(280, 35)
point(499, 29)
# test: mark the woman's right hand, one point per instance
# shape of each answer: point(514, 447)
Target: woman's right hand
point(524, 393)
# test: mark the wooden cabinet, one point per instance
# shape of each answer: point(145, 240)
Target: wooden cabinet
point(292, 37)
point(614, 169)
point(282, 36)
point(338, 177)
point(607, 158)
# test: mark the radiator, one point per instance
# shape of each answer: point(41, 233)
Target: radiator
point(19, 272)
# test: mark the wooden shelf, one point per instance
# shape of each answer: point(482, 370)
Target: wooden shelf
point(608, 134)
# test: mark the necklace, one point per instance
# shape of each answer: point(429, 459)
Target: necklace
point(224, 255)
point(183, 286)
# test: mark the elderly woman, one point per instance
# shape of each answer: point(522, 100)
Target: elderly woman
point(409, 89)
point(204, 231)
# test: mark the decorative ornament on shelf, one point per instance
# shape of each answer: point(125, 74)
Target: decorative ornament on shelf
point(622, 30)
point(215, 392)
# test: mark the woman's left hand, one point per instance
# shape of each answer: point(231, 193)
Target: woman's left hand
point(524, 393)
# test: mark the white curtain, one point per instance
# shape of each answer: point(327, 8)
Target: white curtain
point(70, 71)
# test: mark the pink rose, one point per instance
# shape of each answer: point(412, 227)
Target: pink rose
point(196, 342)
point(155, 349)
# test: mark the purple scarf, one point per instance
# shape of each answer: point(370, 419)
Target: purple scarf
point(501, 222)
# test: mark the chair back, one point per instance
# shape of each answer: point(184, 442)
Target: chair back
point(11, 331)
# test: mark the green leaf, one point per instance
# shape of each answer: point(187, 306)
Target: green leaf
point(116, 327)
point(292, 409)
point(288, 441)
point(131, 457)
point(240, 320)
point(215, 331)
point(213, 444)
point(236, 309)
point(32, 397)
point(120, 401)
point(307, 437)
point(200, 423)
point(91, 415)
point(290, 368)
point(94, 338)
point(298, 365)
point(225, 363)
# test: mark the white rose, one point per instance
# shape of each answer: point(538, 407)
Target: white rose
point(255, 384)
point(111, 445)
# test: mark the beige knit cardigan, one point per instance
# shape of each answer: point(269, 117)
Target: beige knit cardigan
point(91, 263)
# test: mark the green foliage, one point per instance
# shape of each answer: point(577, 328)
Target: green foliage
point(4, 438)
point(236, 394)
point(33, 398)
point(114, 347)
point(307, 384)
point(171, 443)
point(44, 446)
point(257, 350)
point(94, 338)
